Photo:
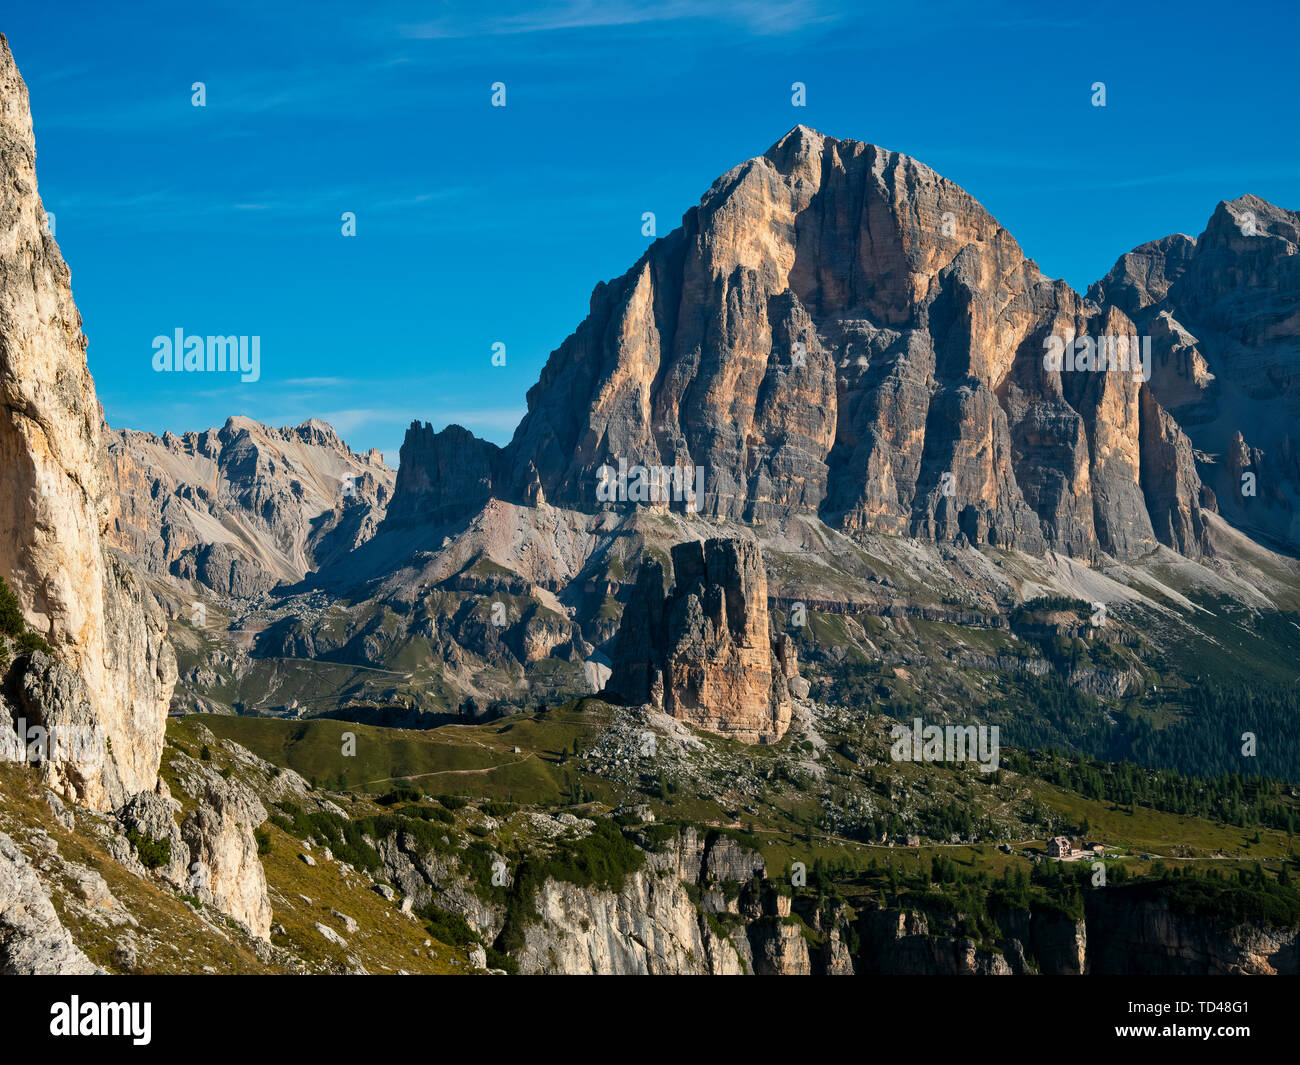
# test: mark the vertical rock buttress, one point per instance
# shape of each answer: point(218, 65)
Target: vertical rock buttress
point(705, 653)
point(114, 666)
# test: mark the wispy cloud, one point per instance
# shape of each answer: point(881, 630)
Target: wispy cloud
point(167, 209)
point(756, 17)
point(320, 382)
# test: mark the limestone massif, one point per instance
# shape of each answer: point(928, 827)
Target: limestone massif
point(107, 684)
point(835, 334)
point(838, 330)
point(1223, 311)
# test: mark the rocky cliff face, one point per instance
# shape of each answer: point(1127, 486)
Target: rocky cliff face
point(219, 836)
point(243, 507)
point(1122, 933)
point(838, 330)
point(652, 925)
point(739, 922)
point(210, 843)
point(105, 689)
point(1137, 934)
point(33, 941)
point(1223, 312)
point(54, 502)
point(648, 927)
point(442, 476)
point(900, 942)
point(705, 654)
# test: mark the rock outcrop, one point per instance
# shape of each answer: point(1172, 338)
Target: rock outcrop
point(900, 942)
point(218, 841)
point(212, 853)
point(705, 653)
point(54, 500)
point(150, 816)
point(652, 925)
point(219, 835)
point(33, 941)
point(442, 477)
point(649, 927)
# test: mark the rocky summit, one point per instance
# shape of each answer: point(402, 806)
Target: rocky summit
point(838, 330)
point(705, 653)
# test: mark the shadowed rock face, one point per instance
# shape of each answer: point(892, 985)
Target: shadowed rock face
point(838, 330)
point(705, 653)
point(441, 477)
point(1223, 312)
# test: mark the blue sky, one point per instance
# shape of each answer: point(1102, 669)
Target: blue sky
point(478, 225)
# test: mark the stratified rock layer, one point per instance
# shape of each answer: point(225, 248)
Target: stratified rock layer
point(705, 653)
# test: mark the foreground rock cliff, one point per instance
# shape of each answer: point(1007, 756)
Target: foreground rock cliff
point(115, 668)
point(89, 661)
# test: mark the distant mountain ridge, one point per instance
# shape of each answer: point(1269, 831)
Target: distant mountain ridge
point(244, 507)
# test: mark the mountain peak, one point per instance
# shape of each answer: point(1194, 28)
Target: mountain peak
point(826, 306)
point(800, 135)
point(1252, 216)
point(14, 108)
